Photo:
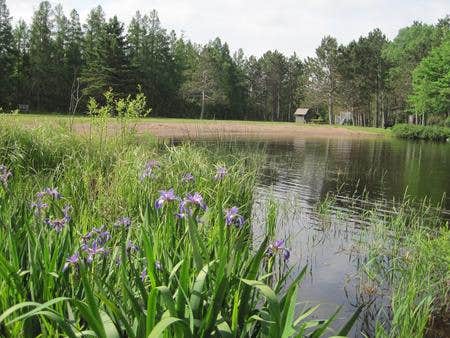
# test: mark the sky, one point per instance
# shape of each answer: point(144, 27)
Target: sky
point(258, 25)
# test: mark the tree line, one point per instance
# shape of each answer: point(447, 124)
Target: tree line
point(56, 63)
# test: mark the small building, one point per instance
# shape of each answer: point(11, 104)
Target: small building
point(24, 108)
point(300, 115)
point(344, 117)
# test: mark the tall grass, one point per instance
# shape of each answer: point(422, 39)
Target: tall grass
point(121, 267)
point(411, 253)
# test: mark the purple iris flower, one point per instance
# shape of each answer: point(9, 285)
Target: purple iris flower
point(149, 168)
point(86, 238)
point(5, 174)
point(123, 222)
point(131, 247)
point(192, 200)
point(39, 205)
point(103, 237)
point(221, 173)
point(95, 249)
point(65, 211)
point(181, 215)
point(277, 247)
point(144, 274)
point(165, 197)
point(53, 192)
point(188, 177)
point(72, 260)
point(57, 224)
point(232, 217)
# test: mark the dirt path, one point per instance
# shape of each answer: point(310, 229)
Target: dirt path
point(165, 128)
point(256, 130)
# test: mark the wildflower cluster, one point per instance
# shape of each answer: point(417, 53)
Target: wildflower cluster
point(95, 243)
point(92, 245)
point(40, 203)
point(58, 223)
point(148, 169)
point(5, 174)
point(278, 248)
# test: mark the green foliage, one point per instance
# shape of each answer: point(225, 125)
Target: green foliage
point(6, 54)
point(404, 53)
point(431, 82)
point(418, 132)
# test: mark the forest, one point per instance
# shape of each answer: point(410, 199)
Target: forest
point(56, 63)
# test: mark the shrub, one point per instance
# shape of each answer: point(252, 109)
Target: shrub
point(447, 122)
point(416, 132)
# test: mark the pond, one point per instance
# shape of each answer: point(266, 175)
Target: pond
point(363, 173)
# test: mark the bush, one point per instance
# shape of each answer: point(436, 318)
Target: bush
point(416, 132)
point(447, 122)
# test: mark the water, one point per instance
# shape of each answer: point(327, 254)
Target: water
point(363, 173)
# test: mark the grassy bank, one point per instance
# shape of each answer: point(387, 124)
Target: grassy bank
point(125, 237)
point(417, 132)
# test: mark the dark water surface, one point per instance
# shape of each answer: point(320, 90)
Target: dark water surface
point(364, 174)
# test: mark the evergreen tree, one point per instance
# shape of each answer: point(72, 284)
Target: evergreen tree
point(42, 66)
point(7, 56)
point(153, 61)
point(22, 67)
point(94, 74)
point(61, 68)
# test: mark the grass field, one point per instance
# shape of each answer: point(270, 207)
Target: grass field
point(187, 128)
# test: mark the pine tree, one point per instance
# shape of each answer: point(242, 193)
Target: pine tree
point(6, 56)
point(22, 67)
point(94, 73)
point(41, 47)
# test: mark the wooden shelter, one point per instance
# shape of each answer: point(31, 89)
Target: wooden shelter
point(344, 117)
point(300, 115)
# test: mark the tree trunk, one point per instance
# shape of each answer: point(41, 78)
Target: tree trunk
point(203, 105)
point(330, 108)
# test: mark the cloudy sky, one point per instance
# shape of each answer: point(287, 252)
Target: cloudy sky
point(258, 25)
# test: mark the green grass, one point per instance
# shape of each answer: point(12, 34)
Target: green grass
point(189, 277)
